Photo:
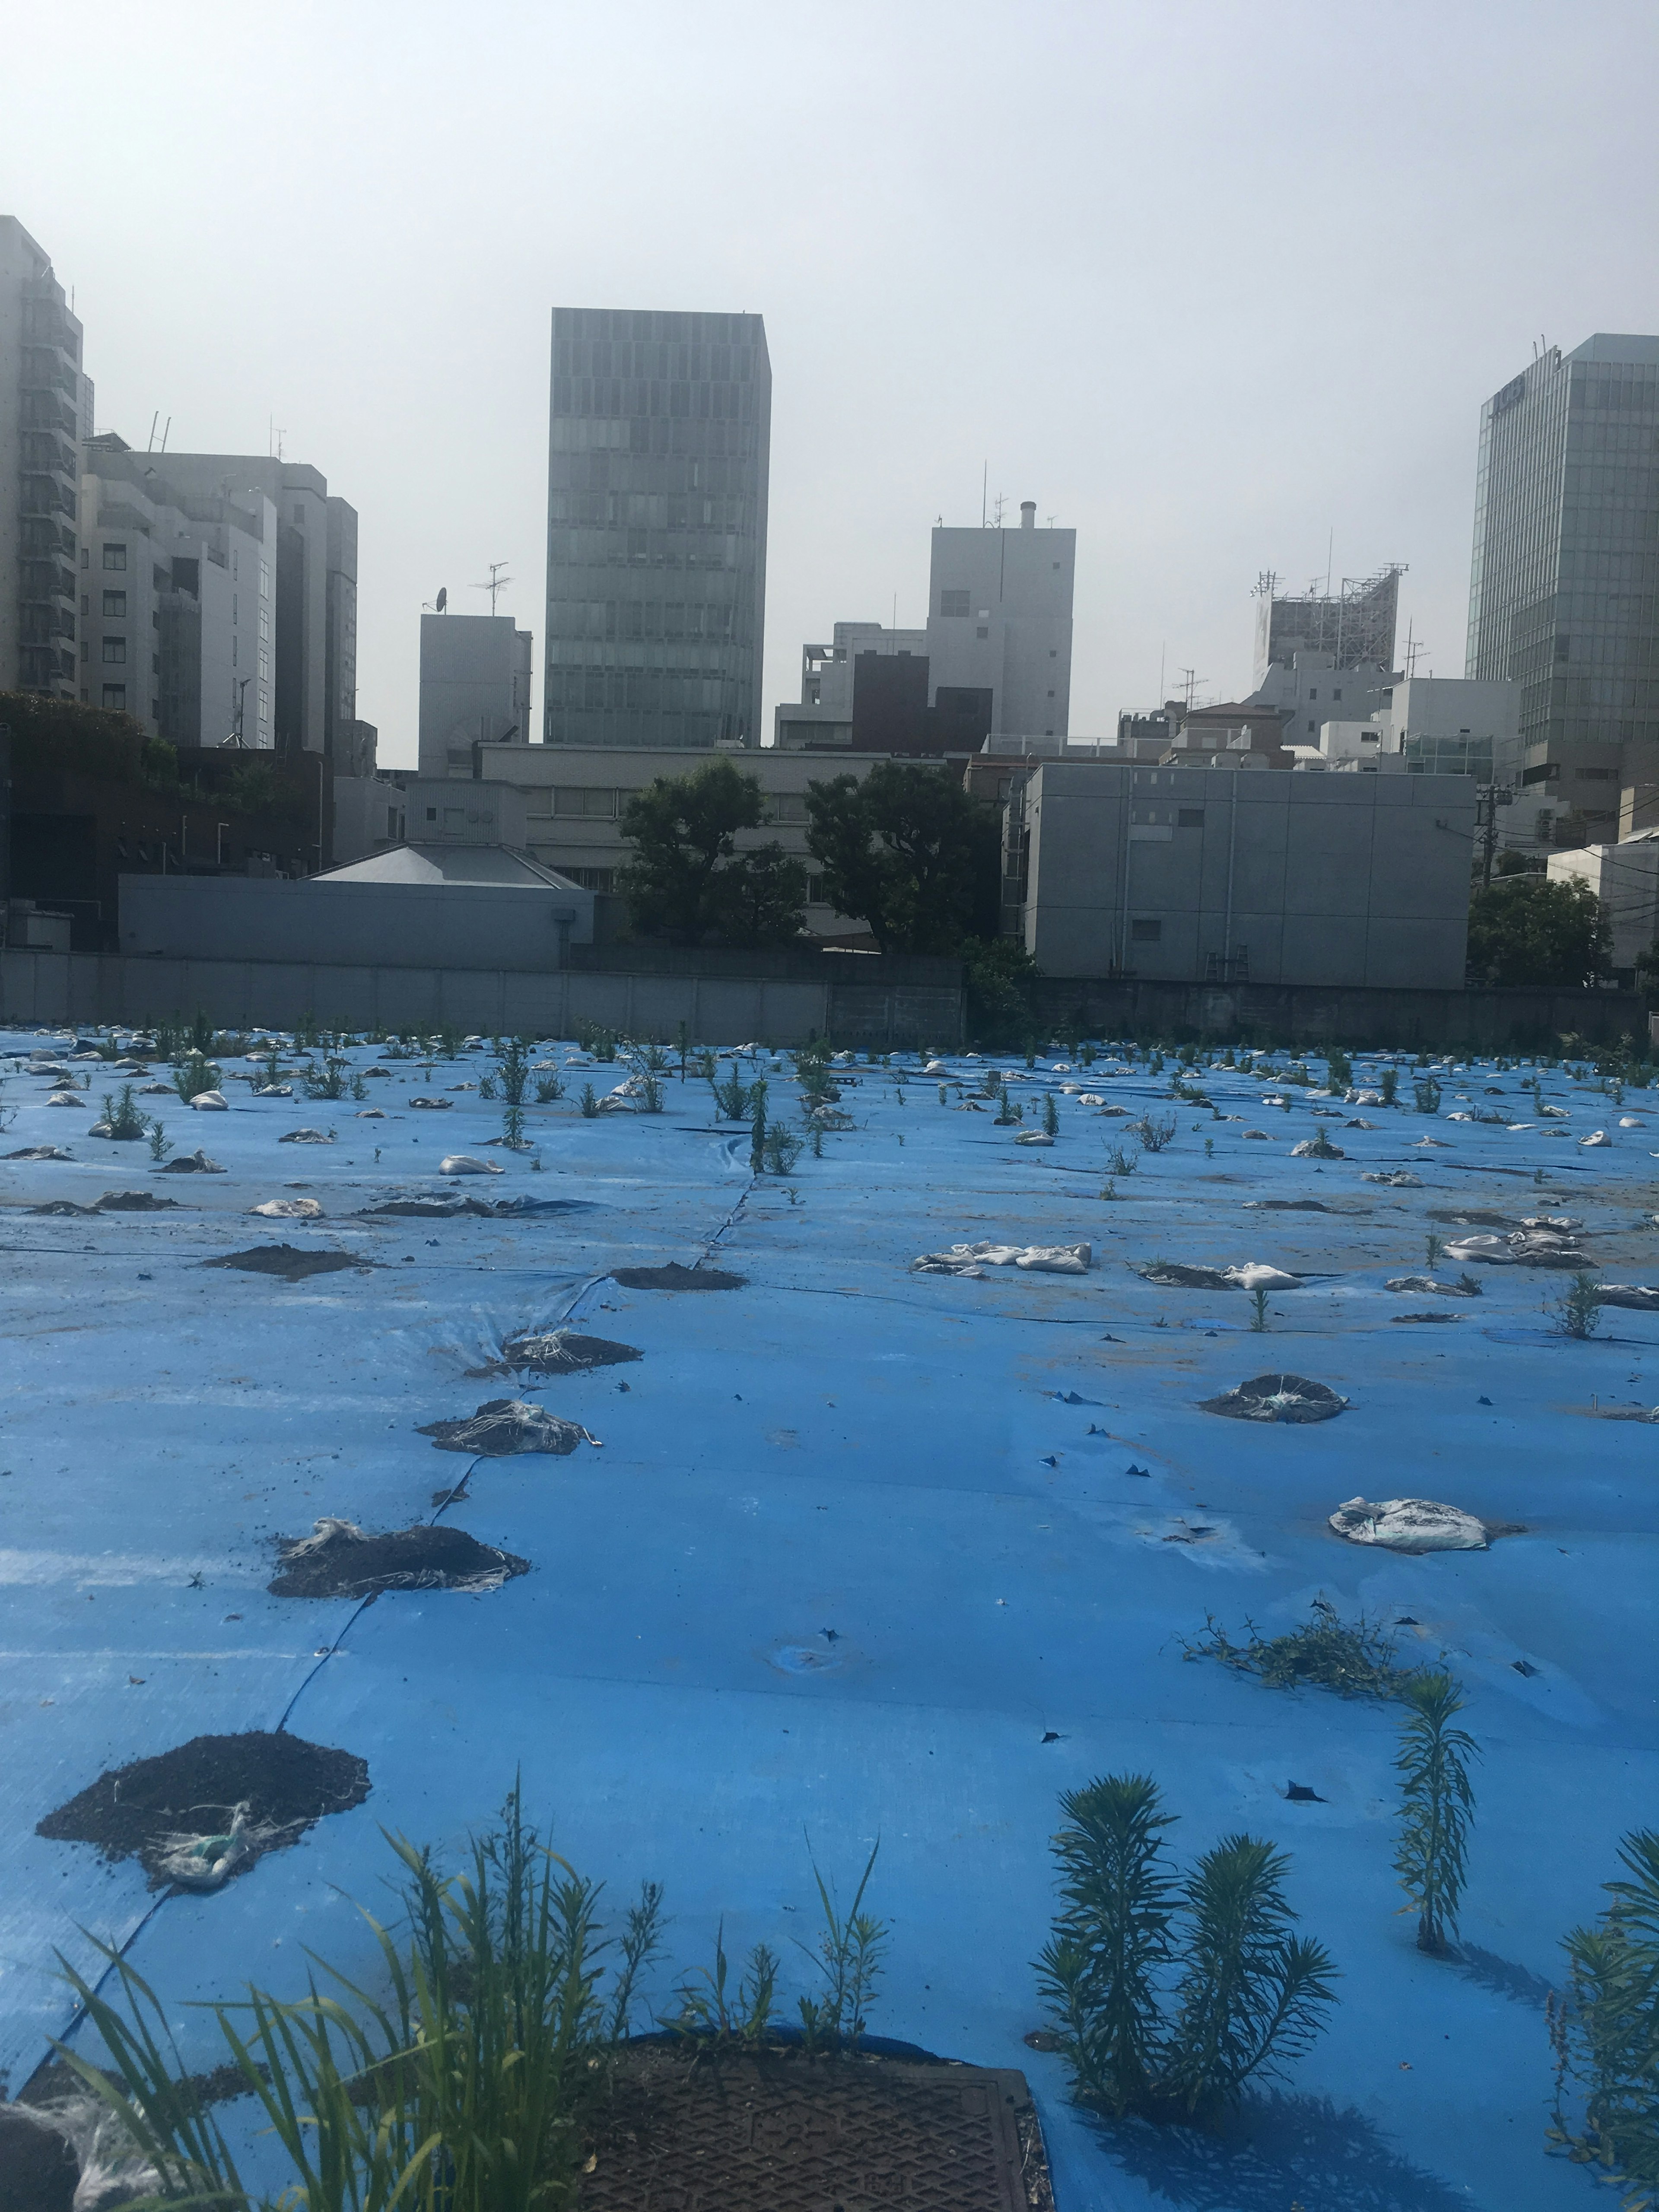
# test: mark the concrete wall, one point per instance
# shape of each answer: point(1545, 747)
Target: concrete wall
point(1346, 879)
point(1491, 1021)
point(474, 686)
point(1015, 639)
point(56, 989)
point(367, 923)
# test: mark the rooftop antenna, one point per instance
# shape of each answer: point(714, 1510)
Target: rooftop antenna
point(1162, 648)
point(996, 511)
point(984, 485)
point(1190, 682)
point(149, 444)
point(167, 433)
point(497, 584)
point(1330, 550)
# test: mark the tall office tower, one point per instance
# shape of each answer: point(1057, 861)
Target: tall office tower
point(658, 453)
point(307, 648)
point(1563, 587)
point(1000, 627)
point(45, 409)
point(1355, 624)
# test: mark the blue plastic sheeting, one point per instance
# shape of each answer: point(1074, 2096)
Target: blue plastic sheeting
point(846, 1564)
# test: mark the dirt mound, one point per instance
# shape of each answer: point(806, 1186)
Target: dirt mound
point(563, 1352)
point(503, 1427)
point(1472, 1217)
point(39, 2168)
point(1290, 1398)
point(342, 1560)
point(673, 1277)
point(41, 1152)
point(134, 1201)
point(288, 1261)
point(449, 1208)
point(196, 1163)
point(133, 1811)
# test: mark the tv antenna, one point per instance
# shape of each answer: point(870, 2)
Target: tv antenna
point(497, 584)
point(152, 448)
point(1414, 645)
point(1189, 684)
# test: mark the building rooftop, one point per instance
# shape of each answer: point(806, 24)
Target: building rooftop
point(449, 863)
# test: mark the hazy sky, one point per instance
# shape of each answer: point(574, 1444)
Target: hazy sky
point(1207, 282)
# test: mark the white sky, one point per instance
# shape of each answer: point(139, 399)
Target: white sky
point(1205, 281)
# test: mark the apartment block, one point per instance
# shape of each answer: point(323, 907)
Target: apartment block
point(1000, 624)
point(45, 411)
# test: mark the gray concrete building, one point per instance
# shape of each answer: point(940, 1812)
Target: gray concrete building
point(307, 667)
point(1563, 587)
point(999, 622)
point(176, 602)
point(658, 451)
point(1355, 624)
point(475, 689)
point(1218, 875)
point(45, 411)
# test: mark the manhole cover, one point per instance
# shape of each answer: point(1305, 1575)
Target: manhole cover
point(757, 2134)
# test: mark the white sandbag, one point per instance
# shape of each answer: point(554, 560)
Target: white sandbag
point(272, 1090)
point(289, 1209)
point(1398, 1179)
point(1037, 1259)
point(305, 1137)
point(210, 1101)
point(1255, 1275)
point(463, 1164)
point(68, 1099)
point(1596, 1137)
point(1630, 1121)
point(1055, 1259)
point(1409, 1524)
point(1033, 1137)
point(1494, 1250)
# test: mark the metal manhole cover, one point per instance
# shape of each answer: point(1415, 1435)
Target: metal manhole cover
point(783, 2133)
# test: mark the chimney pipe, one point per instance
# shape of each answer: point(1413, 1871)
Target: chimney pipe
point(1027, 514)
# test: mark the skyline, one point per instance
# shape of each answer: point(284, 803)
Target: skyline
point(1206, 350)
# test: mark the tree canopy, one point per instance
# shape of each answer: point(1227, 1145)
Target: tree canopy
point(1527, 929)
point(688, 880)
point(907, 848)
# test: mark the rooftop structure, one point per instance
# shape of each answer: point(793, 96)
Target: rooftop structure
point(1355, 624)
point(475, 689)
point(999, 623)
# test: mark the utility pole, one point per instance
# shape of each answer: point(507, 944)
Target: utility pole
point(1489, 798)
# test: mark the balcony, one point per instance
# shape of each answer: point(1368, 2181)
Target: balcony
point(43, 540)
point(44, 583)
point(44, 499)
point(50, 450)
point(48, 372)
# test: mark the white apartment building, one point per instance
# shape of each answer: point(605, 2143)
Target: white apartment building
point(999, 621)
point(177, 610)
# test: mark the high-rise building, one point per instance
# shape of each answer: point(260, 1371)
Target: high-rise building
point(45, 409)
point(1564, 588)
point(475, 689)
point(176, 600)
point(999, 623)
point(658, 455)
point(1354, 624)
point(306, 663)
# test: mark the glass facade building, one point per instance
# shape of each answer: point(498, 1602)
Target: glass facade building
point(1564, 594)
point(658, 456)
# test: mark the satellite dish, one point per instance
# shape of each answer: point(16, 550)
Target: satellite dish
point(443, 599)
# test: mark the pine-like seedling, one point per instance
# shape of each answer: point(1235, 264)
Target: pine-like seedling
point(1436, 1805)
point(1050, 1115)
point(1605, 2031)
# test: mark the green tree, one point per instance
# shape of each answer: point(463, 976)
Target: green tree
point(909, 850)
point(760, 896)
point(1527, 929)
point(688, 880)
point(1001, 999)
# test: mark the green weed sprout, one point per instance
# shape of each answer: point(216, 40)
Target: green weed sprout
point(1436, 1805)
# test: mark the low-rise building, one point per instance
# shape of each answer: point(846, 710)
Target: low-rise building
point(1193, 876)
point(1624, 876)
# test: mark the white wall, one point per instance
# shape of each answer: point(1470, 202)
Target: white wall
point(1019, 584)
point(1625, 879)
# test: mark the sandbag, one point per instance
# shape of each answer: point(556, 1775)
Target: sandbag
point(210, 1101)
point(972, 1260)
point(1640, 1298)
point(196, 1163)
point(502, 1427)
point(1288, 1398)
point(1409, 1524)
point(289, 1209)
point(565, 1351)
point(463, 1164)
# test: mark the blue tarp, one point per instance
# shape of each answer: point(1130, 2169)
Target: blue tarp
point(847, 1564)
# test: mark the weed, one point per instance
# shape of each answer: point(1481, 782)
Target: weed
point(1580, 1309)
point(1338, 1070)
point(590, 1104)
point(1438, 1804)
point(359, 1088)
point(1050, 1114)
point(194, 1075)
point(742, 2019)
point(1006, 1115)
point(792, 1194)
point(328, 1081)
point(1325, 1653)
point(548, 1088)
point(942, 1095)
point(1258, 1309)
point(849, 1956)
point(1155, 1131)
point(1168, 1995)
point(1470, 1285)
point(513, 1134)
point(757, 1130)
point(1390, 1083)
point(782, 1148)
point(1434, 1247)
point(1109, 1189)
point(733, 1099)
point(1209, 1148)
point(122, 1118)
point(486, 1086)
point(1120, 1161)
point(650, 1092)
point(512, 1073)
point(1605, 2031)
point(1426, 1092)
point(159, 1143)
point(706, 1066)
point(817, 1140)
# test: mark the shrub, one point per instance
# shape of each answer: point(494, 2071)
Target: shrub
point(1120, 1161)
point(194, 1075)
point(1580, 1309)
point(1426, 1093)
point(1437, 1805)
point(1325, 1653)
point(548, 1088)
point(159, 1143)
point(1169, 1996)
point(122, 1119)
point(1390, 1084)
point(328, 1081)
point(512, 1073)
point(733, 1099)
point(1050, 1114)
point(590, 1104)
point(783, 1148)
point(1155, 1131)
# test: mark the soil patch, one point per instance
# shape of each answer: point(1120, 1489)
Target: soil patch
point(563, 1351)
point(285, 1782)
point(341, 1560)
point(673, 1277)
point(39, 2168)
point(1290, 1398)
point(287, 1261)
point(1472, 1217)
point(752, 2133)
point(449, 1208)
point(503, 1427)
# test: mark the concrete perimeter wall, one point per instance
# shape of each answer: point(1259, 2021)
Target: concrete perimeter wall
point(56, 989)
point(1314, 1014)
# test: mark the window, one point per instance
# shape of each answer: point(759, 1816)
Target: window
point(86, 556)
point(1314, 695)
point(591, 879)
point(86, 603)
point(299, 516)
point(265, 580)
point(580, 799)
point(431, 813)
point(983, 631)
point(115, 695)
point(1546, 771)
point(115, 556)
point(391, 822)
point(1371, 737)
point(1051, 694)
point(815, 893)
point(1561, 645)
point(1336, 694)
point(953, 603)
point(1313, 726)
point(1145, 933)
point(787, 806)
point(156, 710)
point(1596, 776)
point(86, 650)
point(115, 649)
point(1189, 818)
